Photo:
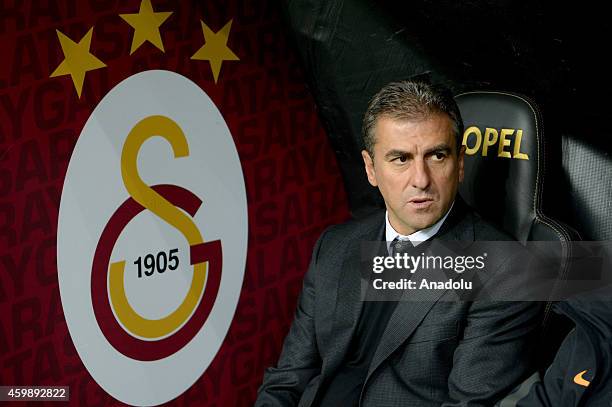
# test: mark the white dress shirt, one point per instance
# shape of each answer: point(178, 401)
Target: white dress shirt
point(417, 237)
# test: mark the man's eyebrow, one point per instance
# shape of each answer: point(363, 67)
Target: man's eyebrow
point(397, 153)
point(440, 148)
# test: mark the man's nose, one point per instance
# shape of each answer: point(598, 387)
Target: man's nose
point(420, 175)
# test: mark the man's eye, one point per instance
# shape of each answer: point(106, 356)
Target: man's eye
point(402, 158)
point(438, 156)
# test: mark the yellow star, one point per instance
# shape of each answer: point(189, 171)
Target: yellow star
point(215, 49)
point(77, 59)
point(146, 25)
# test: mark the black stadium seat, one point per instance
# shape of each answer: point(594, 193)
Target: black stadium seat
point(505, 164)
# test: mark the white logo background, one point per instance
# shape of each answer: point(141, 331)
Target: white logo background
point(92, 192)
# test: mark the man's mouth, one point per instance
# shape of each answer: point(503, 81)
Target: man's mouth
point(420, 202)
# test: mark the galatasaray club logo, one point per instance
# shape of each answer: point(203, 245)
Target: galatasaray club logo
point(152, 237)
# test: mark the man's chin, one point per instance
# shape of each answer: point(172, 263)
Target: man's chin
point(420, 221)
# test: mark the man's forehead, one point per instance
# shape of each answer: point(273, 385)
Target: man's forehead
point(408, 134)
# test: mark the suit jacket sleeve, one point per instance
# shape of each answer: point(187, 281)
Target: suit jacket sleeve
point(299, 361)
point(495, 351)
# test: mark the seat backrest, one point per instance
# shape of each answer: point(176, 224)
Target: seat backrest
point(505, 163)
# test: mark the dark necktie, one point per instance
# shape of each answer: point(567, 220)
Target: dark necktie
point(400, 246)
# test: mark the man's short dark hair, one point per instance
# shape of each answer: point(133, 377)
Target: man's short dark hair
point(413, 101)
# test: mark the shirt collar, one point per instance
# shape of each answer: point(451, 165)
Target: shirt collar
point(417, 237)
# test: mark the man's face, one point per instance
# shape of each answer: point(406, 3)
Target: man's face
point(416, 168)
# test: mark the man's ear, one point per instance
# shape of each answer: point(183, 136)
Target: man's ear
point(369, 167)
point(460, 162)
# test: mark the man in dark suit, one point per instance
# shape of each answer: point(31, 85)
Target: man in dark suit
point(341, 351)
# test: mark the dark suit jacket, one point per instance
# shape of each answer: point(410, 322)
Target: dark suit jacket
point(432, 352)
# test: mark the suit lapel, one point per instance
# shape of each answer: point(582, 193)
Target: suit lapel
point(415, 304)
point(348, 304)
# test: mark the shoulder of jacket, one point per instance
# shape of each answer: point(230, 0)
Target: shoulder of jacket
point(355, 227)
point(485, 230)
